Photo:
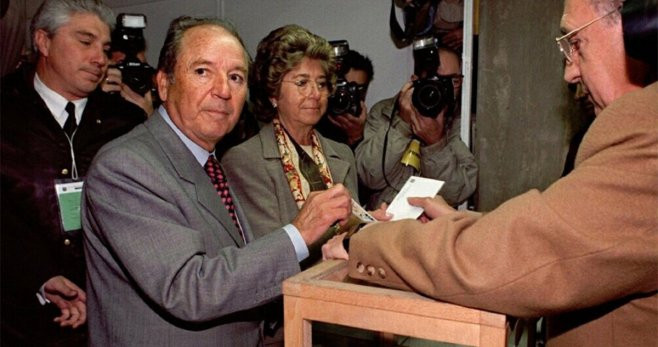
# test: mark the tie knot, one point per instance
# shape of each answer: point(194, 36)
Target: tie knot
point(214, 170)
point(70, 108)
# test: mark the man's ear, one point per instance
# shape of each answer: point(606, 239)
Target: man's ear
point(42, 41)
point(162, 81)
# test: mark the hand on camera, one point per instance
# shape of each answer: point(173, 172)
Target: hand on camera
point(351, 125)
point(112, 83)
point(427, 129)
point(405, 106)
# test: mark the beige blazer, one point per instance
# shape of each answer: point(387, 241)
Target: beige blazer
point(256, 176)
point(584, 252)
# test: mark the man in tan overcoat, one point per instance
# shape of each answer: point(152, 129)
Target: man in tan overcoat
point(584, 252)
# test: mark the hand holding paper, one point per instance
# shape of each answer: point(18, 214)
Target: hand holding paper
point(414, 187)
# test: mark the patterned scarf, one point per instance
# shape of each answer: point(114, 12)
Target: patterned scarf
point(289, 158)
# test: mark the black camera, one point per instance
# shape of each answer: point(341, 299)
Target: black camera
point(432, 93)
point(128, 37)
point(346, 97)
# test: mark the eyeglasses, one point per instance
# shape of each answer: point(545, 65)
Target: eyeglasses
point(304, 86)
point(567, 47)
point(455, 78)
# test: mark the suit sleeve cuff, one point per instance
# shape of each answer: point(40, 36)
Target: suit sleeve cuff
point(41, 295)
point(297, 241)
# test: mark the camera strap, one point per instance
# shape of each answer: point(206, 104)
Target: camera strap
point(385, 147)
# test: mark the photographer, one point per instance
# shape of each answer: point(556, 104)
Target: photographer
point(393, 124)
point(346, 127)
point(128, 54)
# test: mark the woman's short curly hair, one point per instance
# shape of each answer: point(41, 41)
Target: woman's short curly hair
point(277, 54)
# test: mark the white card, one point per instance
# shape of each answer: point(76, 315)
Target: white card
point(414, 187)
point(360, 212)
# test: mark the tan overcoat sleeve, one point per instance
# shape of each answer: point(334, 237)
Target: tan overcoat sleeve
point(590, 238)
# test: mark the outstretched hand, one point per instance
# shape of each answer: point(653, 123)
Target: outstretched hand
point(334, 249)
point(380, 214)
point(69, 298)
point(432, 207)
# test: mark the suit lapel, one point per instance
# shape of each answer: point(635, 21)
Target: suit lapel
point(337, 166)
point(189, 170)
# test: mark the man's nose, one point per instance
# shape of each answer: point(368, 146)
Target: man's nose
point(221, 88)
point(571, 72)
point(99, 56)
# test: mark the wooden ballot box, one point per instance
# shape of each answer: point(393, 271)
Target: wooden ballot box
point(324, 293)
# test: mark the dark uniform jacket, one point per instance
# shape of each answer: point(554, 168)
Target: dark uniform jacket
point(34, 152)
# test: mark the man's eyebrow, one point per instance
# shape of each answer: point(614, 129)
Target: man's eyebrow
point(241, 68)
point(201, 62)
point(83, 34)
point(205, 62)
point(86, 34)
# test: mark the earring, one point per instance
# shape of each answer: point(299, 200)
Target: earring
point(274, 104)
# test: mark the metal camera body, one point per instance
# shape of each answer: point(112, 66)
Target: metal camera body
point(346, 97)
point(432, 93)
point(128, 37)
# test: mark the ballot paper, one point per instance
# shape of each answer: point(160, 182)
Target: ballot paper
point(359, 217)
point(414, 187)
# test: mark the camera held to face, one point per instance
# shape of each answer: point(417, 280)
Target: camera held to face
point(128, 38)
point(346, 97)
point(432, 93)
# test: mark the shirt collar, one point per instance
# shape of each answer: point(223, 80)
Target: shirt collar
point(57, 103)
point(200, 154)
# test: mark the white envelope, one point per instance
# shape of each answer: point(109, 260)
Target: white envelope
point(414, 187)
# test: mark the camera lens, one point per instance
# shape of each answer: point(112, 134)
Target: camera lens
point(345, 99)
point(431, 95)
point(340, 102)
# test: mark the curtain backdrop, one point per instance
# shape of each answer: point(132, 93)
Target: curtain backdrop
point(13, 33)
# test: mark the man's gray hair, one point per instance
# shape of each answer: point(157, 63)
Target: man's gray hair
point(607, 6)
point(52, 14)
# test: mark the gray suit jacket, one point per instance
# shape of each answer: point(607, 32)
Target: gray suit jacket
point(256, 176)
point(166, 265)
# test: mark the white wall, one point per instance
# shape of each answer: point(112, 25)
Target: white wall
point(364, 23)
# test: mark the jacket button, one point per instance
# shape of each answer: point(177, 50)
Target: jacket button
point(98, 121)
point(360, 267)
point(65, 171)
point(371, 270)
point(67, 242)
point(382, 273)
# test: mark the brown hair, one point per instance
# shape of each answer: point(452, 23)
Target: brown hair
point(277, 54)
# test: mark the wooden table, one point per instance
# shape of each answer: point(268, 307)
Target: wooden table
point(324, 293)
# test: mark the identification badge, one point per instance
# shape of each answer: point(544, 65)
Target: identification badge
point(69, 198)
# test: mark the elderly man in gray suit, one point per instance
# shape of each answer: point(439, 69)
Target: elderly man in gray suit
point(171, 260)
